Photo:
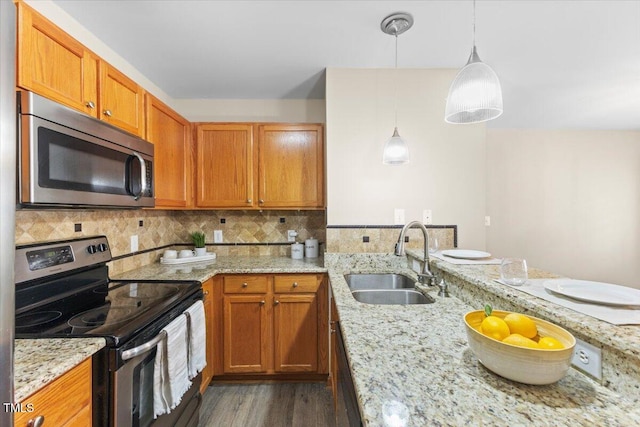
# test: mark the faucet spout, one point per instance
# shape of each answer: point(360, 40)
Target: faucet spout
point(399, 250)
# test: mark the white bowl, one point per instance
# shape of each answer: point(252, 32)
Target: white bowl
point(521, 364)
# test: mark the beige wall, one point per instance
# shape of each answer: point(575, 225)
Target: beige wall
point(446, 172)
point(252, 110)
point(567, 201)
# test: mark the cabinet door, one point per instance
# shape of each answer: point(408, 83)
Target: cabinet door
point(208, 301)
point(224, 163)
point(295, 319)
point(54, 65)
point(291, 166)
point(121, 100)
point(246, 339)
point(171, 136)
point(64, 402)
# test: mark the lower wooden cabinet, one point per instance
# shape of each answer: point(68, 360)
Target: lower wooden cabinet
point(207, 372)
point(65, 402)
point(272, 324)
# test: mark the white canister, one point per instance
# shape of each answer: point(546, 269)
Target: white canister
point(297, 251)
point(311, 248)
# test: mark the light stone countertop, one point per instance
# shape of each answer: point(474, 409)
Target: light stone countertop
point(37, 362)
point(418, 355)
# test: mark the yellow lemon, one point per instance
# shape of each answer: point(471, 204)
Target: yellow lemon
point(550, 343)
point(495, 328)
point(521, 324)
point(520, 341)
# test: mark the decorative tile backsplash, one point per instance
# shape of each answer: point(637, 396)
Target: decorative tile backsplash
point(382, 239)
point(244, 232)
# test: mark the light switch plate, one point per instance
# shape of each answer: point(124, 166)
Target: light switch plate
point(398, 216)
point(427, 217)
point(134, 243)
point(588, 359)
point(217, 236)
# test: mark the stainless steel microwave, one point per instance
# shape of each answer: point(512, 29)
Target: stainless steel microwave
point(69, 159)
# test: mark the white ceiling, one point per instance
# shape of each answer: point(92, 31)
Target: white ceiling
point(562, 64)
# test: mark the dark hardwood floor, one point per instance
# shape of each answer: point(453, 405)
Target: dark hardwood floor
point(272, 405)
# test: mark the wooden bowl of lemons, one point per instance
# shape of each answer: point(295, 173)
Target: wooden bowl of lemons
point(518, 347)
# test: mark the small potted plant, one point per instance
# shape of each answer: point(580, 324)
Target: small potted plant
point(198, 241)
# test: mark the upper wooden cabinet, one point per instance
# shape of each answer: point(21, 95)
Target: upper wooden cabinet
point(260, 166)
point(121, 100)
point(224, 165)
point(290, 166)
point(170, 133)
point(56, 66)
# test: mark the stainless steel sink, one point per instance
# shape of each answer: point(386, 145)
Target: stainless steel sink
point(396, 296)
point(357, 281)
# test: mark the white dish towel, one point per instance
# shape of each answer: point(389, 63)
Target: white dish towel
point(197, 335)
point(170, 375)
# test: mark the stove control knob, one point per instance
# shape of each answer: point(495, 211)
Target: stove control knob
point(91, 249)
point(102, 247)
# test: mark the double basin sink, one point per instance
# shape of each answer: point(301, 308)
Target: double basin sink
point(386, 288)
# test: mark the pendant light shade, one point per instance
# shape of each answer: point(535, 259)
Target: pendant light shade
point(475, 94)
point(396, 151)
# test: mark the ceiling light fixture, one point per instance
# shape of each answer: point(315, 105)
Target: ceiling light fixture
point(396, 151)
point(475, 94)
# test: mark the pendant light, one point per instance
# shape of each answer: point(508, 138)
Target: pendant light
point(396, 151)
point(475, 95)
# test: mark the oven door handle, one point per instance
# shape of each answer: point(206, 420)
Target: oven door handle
point(143, 348)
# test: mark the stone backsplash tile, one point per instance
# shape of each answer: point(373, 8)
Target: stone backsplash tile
point(162, 228)
point(382, 239)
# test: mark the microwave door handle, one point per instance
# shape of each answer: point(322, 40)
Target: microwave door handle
point(143, 176)
point(143, 348)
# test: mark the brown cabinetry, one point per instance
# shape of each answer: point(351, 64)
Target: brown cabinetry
point(259, 166)
point(170, 134)
point(273, 324)
point(65, 402)
point(56, 66)
point(207, 372)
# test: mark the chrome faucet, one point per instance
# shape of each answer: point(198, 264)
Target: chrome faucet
point(399, 251)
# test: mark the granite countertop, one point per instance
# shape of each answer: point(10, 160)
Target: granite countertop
point(418, 355)
point(37, 362)
point(202, 271)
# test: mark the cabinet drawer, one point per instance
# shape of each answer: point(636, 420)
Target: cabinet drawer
point(296, 283)
point(246, 284)
point(64, 402)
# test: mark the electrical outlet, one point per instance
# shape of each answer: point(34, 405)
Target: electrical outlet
point(291, 235)
point(134, 243)
point(427, 217)
point(588, 359)
point(487, 221)
point(398, 216)
point(217, 236)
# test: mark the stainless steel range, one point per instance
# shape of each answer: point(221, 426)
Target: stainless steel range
point(63, 290)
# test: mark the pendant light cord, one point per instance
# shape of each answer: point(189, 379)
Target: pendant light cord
point(474, 23)
point(395, 79)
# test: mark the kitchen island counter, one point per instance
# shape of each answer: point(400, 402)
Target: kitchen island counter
point(418, 355)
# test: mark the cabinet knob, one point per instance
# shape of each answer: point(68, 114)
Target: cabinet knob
point(107, 113)
point(261, 201)
point(205, 293)
point(333, 331)
point(295, 284)
point(36, 422)
point(276, 302)
point(90, 104)
point(245, 284)
point(262, 302)
point(249, 201)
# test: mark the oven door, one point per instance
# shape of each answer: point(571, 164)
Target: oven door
point(132, 398)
